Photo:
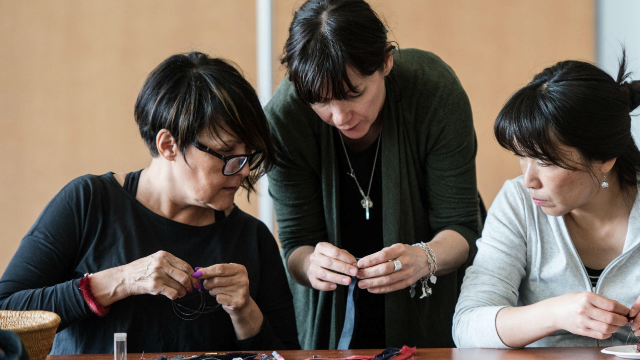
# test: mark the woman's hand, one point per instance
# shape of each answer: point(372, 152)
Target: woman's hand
point(327, 263)
point(157, 274)
point(377, 270)
point(634, 315)
point(588, 314)
point(582, 313)
point(229, 284)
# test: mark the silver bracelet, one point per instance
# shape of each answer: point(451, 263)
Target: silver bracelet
point(432, 261)
point(433, 267)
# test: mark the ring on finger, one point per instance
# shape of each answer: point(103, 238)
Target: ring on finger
point(397, 265)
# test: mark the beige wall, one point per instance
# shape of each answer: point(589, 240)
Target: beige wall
point(70, 71)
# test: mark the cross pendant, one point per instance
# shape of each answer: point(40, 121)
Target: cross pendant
point(366, 204)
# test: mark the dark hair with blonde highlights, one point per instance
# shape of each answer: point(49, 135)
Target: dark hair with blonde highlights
point(579, 105)
point(190, 93)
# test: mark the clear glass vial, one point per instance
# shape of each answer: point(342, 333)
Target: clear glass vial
point(120, 346)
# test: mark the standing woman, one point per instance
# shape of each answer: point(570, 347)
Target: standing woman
point(560, 251)
point(376, 152)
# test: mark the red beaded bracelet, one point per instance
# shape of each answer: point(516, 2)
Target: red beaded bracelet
point(87, 294)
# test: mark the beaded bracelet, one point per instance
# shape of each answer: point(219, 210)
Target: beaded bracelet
point(433, 267)
point(87, 294)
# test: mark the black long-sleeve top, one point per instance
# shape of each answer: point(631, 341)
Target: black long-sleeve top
point(94, 224)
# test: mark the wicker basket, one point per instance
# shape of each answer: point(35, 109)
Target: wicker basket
point(36, 329)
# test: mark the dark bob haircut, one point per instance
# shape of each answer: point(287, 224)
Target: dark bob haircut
point(576, 104)
point(191, 93)
point(325, 37)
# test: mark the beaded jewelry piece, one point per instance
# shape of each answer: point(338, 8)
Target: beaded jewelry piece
point(433, 267)
point(87, 294)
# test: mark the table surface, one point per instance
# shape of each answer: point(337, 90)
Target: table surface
point(583, 353)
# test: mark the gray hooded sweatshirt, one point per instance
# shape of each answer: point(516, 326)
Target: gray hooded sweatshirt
point(526, 256)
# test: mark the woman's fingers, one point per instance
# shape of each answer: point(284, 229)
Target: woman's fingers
point(335, 259)
point(600, 327)
point(175, 269)
point(229, 283)
point(592, 315)
point(225, 276)
point(595, 334)
point(232, 303)
point(322, 285)
point(187, 281)
point(385, 284)
point(330, 265)
point(609, 305)
point(634, 315)
point(382, 256)
point(329, 269)
point(324, 273)
point(180, 277)
point(379, 274)
point(168, 287)
point(606, 317)
point(378, 270)
point(157, 274)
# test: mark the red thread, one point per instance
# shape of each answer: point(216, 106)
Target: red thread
point(87, 294)
point(406, 353)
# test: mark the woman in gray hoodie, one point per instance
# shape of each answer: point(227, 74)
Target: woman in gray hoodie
point(559, 256)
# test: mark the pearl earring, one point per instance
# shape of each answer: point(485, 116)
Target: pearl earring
point(605, 184)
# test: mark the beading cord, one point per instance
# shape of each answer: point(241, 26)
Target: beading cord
point(186, 313)
point(631, 333)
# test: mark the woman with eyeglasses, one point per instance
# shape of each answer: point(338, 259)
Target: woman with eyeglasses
point(376, 154)
point(162, 253)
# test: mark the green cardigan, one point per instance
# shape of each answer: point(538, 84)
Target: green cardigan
point(428, 185)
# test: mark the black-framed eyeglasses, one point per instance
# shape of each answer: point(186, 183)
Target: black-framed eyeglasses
point(234, 163)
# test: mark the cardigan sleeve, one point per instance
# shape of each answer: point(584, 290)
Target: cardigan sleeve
point(492, 282)
point(451, 149)
point(295, 180)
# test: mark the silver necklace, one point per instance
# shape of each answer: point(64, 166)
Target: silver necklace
point(366, 200)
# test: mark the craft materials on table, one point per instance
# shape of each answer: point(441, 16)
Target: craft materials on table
point(624, 351)
point(406, 353)
point(225, 356)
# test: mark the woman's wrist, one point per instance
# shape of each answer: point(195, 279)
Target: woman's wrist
point(546, 313)
point(108, 286)
point(540, 317)
point(424, 261)
point(248, 321)
point(87, 291)
point(298, 264)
